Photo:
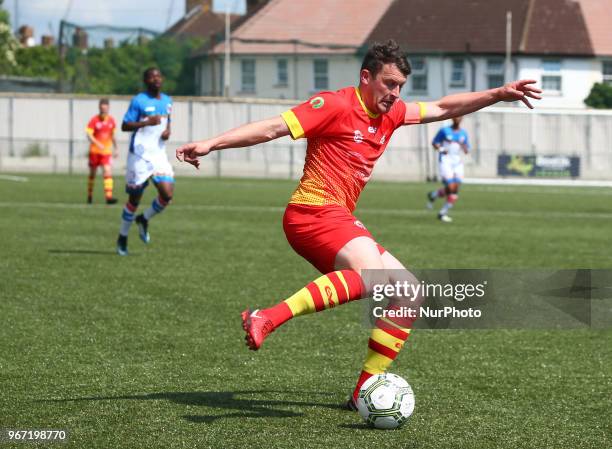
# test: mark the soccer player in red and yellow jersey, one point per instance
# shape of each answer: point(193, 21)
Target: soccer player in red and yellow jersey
point(101, 135)
point(346, 132)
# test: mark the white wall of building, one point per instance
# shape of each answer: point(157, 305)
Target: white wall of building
point(343, 70)
point(577, 78)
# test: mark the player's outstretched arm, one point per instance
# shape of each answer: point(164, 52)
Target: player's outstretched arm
point(466, 103)
point(243, 136)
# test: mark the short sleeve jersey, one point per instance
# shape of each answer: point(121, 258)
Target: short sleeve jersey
point(452, 142)
point(147, 140)
point(102, 130)
point(344, 141)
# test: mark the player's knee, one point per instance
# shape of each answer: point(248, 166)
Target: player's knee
point(166, 197)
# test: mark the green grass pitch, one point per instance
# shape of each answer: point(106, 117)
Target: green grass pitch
point(147, 350)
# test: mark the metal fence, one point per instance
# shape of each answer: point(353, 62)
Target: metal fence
point(46, 133)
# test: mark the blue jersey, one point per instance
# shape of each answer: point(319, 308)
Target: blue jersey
point(147, 140)
point(452, 142)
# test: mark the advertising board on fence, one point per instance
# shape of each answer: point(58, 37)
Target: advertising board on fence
point(551, 166)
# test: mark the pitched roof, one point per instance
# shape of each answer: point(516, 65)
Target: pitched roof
point(557, 27)
point(538, 26)
point(598, 17)
point(448, 25)
point(200, 22)
point(287, 26)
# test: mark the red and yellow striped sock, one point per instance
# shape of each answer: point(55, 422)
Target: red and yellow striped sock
point(90, 185)
point(108, 187)
point(386, 341)
point(330, 290)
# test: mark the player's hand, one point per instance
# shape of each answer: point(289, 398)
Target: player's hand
point(165, 135)
point(190, 152)
point(520, 90)
point(153, 120)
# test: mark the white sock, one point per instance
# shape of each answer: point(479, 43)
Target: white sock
point(127, 217)
point(157, 206)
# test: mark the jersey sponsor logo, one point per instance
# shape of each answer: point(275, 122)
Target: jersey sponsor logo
point(150, 109)
point(358, 136)
point(317, 102)
point(372, 129)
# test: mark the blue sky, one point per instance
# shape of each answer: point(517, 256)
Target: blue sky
point(45, 15)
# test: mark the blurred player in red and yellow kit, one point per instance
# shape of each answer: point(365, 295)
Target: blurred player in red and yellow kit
point(347, 131)
point(101, 135)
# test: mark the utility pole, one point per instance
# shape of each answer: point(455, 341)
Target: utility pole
point(508, 68)
point(226, 72)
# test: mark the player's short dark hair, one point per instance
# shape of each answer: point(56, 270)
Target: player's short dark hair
point(386, 53)
point(103, 101)
point(148, 71)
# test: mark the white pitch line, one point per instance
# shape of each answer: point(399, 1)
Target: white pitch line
point(14, 178)
point(538, 182)
point(545, 215)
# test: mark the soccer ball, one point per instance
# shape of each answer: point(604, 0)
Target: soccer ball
point(385, 401)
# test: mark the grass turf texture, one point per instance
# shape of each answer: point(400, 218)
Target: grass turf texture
point(147, 350)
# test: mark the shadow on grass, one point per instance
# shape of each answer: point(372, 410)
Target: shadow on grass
point(237, 407)
point(83, 251)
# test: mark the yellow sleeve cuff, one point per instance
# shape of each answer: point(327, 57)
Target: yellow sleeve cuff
point(295, 128)
point(89, 131)
point(422, 109)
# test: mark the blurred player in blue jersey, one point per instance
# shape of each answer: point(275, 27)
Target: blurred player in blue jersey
point(148, 118)
point(449, 142)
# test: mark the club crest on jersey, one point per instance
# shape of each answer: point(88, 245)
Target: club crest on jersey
point(317, 102)
point(359, 225)
point(358, 136)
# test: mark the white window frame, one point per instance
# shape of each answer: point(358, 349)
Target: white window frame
point(419, 73)
point(246, 85)
point(552, 73)
point(282, 71)
point(457, 70)
point(320, 79)
point(495, 70)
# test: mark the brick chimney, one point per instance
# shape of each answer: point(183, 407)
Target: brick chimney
point(47, 40)
point(25, 34)
point(79, 38)
point(190, 4)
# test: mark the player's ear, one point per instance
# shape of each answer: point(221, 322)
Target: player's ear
point(365, 76)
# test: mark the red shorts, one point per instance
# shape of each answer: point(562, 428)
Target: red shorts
point(96, 159)
point(317, 233)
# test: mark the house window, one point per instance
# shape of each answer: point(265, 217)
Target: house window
point(247, 75)
point(551, 75)
point(607, 72)
point(282, 76)
point(458, 73)
point(321, 76)
point(418, 75)
point(495, 73)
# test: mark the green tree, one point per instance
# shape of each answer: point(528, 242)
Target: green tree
point(8, 43)
point(600, 96)
point(36, 62)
